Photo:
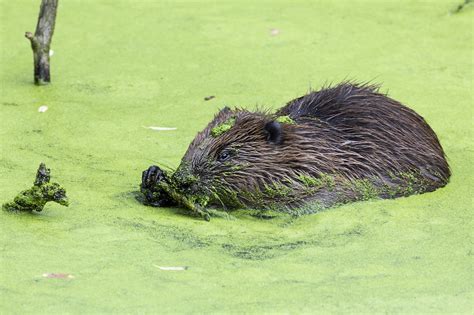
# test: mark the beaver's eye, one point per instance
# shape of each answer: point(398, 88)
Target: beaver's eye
point(223, 156)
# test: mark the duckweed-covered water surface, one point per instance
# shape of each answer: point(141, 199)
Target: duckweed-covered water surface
point(108, 253)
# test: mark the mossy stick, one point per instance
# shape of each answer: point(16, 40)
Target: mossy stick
point(35, 198)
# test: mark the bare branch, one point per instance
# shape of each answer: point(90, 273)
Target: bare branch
point(41, 41)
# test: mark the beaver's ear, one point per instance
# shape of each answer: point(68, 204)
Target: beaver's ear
point(274, 132)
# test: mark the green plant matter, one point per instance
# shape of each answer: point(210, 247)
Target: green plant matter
point(35, 198)
point(324, 180)
point(222, 128)
point(160, 189)
point(285, 120)
point(276, 190)
point(195, 203)
point(364, 189)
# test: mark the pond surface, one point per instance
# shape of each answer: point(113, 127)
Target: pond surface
point(120, 66)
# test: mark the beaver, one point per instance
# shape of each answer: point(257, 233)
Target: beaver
point(340, 144)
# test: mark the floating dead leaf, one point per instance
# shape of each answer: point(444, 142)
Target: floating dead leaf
point(42, 108)
point(168, 268)
point(208, 98)
point(160, 128)
point(274, 31)
point(53, 275)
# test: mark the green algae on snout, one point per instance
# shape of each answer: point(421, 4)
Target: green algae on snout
point(222, 128)
point(166, 190)
point(183, 175)
point(35, 198)
point(195, 203)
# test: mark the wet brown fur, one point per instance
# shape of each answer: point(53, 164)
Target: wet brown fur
point(349, 133)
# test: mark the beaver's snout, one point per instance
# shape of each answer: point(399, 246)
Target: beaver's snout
point(186, 181)
point(152, 179)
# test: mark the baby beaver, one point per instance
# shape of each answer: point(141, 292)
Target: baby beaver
point(340, 144)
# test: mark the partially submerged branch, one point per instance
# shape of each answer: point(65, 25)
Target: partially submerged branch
point(35, 198)
point(41, 41)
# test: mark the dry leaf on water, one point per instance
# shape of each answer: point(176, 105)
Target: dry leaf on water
point(177, 268)
point(42, 108)
point(57, 275)
point(160, 128)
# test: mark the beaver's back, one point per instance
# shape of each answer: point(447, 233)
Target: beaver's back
point(382, 135)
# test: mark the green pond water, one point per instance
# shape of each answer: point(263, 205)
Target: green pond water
point(119, 66)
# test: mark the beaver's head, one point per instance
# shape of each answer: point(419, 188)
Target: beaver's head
point(238, 152)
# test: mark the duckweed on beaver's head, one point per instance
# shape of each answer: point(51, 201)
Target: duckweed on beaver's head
point(222, 128)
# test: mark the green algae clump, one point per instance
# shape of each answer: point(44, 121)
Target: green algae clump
point(285, 120)
point(223, 128)
point(35, 198)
